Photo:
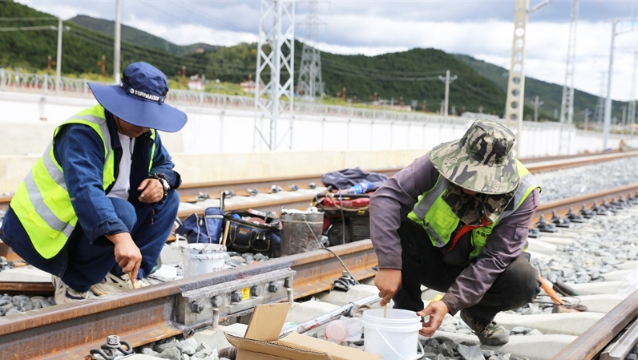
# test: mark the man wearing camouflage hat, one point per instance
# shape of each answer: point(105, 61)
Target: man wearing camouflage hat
point(456, 220)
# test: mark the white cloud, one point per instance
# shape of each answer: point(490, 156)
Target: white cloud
point(377, 27)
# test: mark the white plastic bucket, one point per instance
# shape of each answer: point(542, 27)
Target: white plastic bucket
point(394, 337)
point(203, 258)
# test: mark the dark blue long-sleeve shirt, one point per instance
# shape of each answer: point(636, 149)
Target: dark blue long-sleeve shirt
point(80, 152)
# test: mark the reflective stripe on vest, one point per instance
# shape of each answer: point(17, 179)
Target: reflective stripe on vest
point(439, 221)
point(42, 202)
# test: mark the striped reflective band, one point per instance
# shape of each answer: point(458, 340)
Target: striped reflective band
point(52, 168)
point(42, 209)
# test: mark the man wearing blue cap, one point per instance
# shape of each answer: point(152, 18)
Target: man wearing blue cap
point(101, 201)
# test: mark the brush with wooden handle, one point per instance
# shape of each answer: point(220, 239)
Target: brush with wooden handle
point(130, 276)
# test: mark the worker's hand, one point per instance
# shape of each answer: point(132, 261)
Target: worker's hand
point(388, 281)
point(152, 191)
point(127, 254)
point(437, 311)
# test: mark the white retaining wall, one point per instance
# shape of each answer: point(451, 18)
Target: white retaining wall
point(213, 134)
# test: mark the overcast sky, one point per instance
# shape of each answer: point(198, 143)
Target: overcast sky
point(479, 28)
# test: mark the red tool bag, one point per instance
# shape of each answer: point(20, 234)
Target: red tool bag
point(346, 218)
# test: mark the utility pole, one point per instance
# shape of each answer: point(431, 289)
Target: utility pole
point(567, 104)
point(447, 79)
point(116, 51)
point(586, 112)
point(624, 116)
point(631, 120)
point(536, 105)
point(608, 103)
point(516, 81)
point(58, 62)
point(103, 65)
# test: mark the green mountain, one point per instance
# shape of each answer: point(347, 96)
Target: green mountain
point(138, 37)
point(35, 41)
point(405, 77)
point(411, 75)
point(549, 93)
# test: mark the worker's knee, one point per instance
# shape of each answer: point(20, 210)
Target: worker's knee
point(125, 212)
point(522, 279)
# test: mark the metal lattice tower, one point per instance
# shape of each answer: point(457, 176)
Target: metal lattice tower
point(310, 84)
point(631, 119)
point(516, 81)
point(567, 105)
point(275, 69)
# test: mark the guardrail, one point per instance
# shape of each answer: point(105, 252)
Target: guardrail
point(14, 80)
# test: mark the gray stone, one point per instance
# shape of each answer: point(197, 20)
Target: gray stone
point(147, 350)
point(13, 311)
point(447, 350)
point(163, 345)
point(188, 346)
point(171, 353)
point(470, 351)
point(433, 343)
point(534, 332)
point(520, 330)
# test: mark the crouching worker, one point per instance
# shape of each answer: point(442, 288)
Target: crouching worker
point(456, 220)
point(101, 201)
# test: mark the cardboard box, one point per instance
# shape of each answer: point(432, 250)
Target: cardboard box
point(262, 342)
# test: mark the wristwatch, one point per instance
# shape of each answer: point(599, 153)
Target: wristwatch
point(164, 181)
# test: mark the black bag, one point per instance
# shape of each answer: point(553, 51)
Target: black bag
point(247, 236)
point(206, 228)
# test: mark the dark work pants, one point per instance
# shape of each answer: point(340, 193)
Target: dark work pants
point(423, 265)
point(83, 263)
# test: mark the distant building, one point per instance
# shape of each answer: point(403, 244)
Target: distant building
point(249, 86)
point(196, 83)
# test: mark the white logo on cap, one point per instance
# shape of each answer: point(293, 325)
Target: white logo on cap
point(132, 91)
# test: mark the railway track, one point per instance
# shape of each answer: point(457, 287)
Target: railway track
point(167, 309)
point(309, 185)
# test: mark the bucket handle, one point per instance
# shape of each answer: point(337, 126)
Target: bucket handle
point(417, 356)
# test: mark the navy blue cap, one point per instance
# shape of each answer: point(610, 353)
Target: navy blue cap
point(139, 99)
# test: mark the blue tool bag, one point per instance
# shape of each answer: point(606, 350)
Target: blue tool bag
point(206, 228)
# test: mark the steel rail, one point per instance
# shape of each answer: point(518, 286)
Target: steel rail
point(189, 191)
point(593, 340)
point(563, 206)
point(148, 314)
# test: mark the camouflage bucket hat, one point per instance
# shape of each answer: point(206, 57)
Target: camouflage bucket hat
point(481, 160)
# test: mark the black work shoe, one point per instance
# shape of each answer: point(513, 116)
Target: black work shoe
point(490, 334)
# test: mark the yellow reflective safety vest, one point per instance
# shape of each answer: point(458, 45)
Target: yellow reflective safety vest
point(42, 202)
point(439, 221)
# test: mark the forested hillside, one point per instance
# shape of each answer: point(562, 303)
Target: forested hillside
point(405, 76)
point(550, 94)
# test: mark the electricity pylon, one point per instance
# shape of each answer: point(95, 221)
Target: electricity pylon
point(275, 59)
point(310, 84)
